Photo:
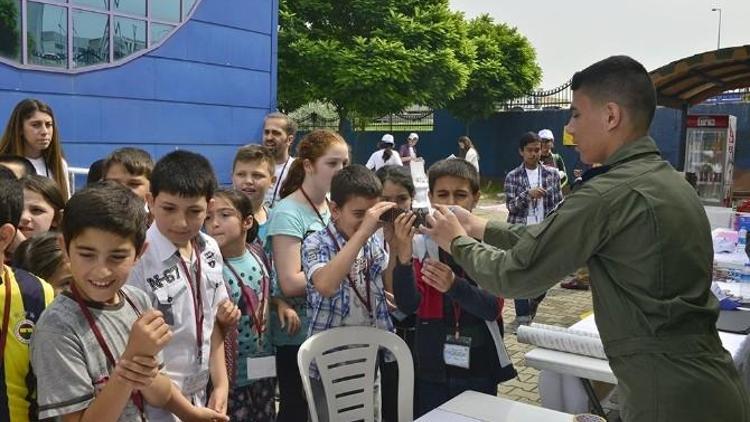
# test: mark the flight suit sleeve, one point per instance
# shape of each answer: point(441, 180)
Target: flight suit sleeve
point(504, 235)
point(543, 254)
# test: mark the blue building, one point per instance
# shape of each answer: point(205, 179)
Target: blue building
point(156, 74)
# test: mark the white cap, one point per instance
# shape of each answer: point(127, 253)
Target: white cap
point(546, 134)
point(414, 135)
point(387, 138)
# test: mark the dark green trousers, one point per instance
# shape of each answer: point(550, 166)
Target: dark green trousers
point(700, 387)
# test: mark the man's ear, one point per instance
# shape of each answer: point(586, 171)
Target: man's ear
point(614, 115)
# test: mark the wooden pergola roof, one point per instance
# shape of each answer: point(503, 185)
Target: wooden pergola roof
point(691, 80)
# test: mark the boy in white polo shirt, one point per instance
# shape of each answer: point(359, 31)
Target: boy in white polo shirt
point(181, 271)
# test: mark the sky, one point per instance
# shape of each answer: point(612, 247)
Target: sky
point(570, 35)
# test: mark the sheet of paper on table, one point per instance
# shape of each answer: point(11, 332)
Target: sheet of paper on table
point(440, 415)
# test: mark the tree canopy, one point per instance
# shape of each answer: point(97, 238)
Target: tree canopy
point(504, 68)
point(368, 58)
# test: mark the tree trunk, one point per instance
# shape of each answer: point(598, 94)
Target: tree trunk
point(341, 112)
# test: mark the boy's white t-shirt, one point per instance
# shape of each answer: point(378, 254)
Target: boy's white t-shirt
point(160, 274)
point(281, 172)
point(536, 206)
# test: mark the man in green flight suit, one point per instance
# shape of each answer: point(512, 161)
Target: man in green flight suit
point(641, 230)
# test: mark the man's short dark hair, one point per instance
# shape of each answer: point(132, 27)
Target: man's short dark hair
point(11, 204)
point(290, 126)
point(621, 80)
point(109, 207)
point(28, 168)
point(354, 180)
point(455, 167)
point(185, 174)
point(528, 138)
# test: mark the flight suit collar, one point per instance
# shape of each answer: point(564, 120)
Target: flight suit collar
point(644, 145)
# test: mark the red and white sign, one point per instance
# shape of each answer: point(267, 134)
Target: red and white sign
point(708, 121)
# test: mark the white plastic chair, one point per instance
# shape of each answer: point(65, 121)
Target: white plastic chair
point(348, 375)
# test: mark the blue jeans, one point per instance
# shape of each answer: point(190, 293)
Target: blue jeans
point(528, 307)
point(433, 394)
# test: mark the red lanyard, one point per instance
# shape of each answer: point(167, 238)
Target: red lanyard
point(366, 301)
point(456, 319)
point(6, 316)
point(257, 316)
point(135, 396)
point(195, 290)
point(278, 182)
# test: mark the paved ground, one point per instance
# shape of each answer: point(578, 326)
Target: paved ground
point(561, 307)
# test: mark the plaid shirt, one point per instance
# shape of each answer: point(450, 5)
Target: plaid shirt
point(328, 312)
point(517, 192)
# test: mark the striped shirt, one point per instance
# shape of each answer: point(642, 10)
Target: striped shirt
point(29, 297)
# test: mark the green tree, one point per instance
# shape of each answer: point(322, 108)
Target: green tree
point(10, 41)
point(371, 57)
point(504, 68)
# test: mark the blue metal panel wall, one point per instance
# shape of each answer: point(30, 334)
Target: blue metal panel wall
point(206, 89)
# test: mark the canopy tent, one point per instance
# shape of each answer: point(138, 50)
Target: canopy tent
point(692, 80)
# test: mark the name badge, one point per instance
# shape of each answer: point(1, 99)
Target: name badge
point(259, 368)
point(196, 383)
point(457, 351)
point(166, 310)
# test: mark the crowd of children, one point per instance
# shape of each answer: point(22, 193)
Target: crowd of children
point(175, 299)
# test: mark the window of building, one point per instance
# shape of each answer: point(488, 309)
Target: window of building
point(78, 35)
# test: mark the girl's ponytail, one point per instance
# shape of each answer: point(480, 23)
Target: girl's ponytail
point(294, 178)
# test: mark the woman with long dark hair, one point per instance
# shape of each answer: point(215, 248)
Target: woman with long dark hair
point(32, 132)
point(468, 151)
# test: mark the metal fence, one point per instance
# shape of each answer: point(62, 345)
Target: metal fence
point(73, 172)
point(544, 99)
point(417, 119)
point(316, 121)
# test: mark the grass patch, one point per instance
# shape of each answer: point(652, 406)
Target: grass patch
point(490, 189)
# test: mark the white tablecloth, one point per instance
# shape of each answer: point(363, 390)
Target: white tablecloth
point(471, 406)
point(560, 387)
